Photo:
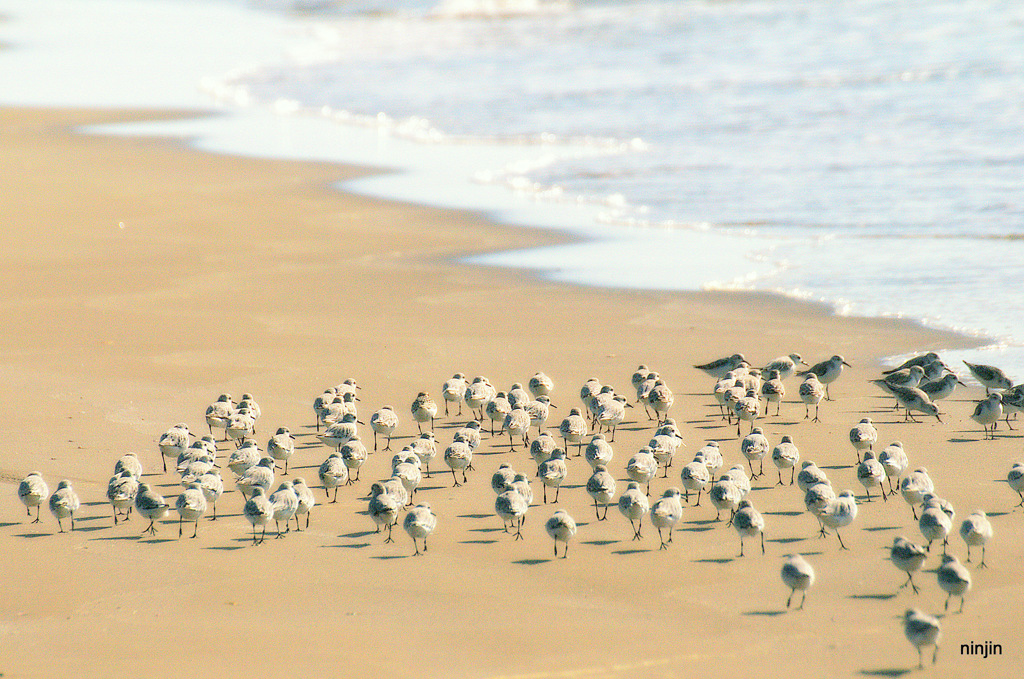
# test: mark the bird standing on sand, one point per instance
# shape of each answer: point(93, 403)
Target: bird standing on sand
point(773, 390)
point(419, 523)
point(383, 422)
point(666, 513)
point(908, 557)
point(281, 446)
point(840, 513)
point(988, 412)
point(64, 503)
point(922, 629)
point(827, 372)
point(954, 579)
point(811, 392)
point(552, 472)
point(863, 436)
point(33, 491)
point(719, 367)
point(786, 456)
point(601, 487)
point(540, 385)
point(453, 391)
point(912, 398)
point(573, 428)
point(990, 376)
point(561, 527)
point(976, 531)
point(1015, 479)
point(871, 473)
point(748, 522)
point(424, 409)
point(797, 574)
point(190, 505)
point(784, 365)
point(150, 505)
point(634, 505)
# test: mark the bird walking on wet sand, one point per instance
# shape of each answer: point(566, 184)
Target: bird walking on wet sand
point(718, 368)
point(383, 509)
point(458, 456)
point(913, 399)
point(33, 491)
point(511, 506)
point(754, 447)
point(773, 391)
point(908, 557)
point(573, 429)
point(419, 523)
point(666, 513)
point(871, 474)
point(989, 376)
point(695, 477)
point(552, 473)
point(190, 505)
point(561, 527)
point(643, 467)
point(281, 446)
point(922, 629)
point(353, 456)
point(797, 574)
point(453, 391)
point(786, 456)
point(424, 409)
point(863, 436)
point(921, 360)
point(987, 413)
point(601, 487)
point(934, 524)
point(633, 505)
point(286, 505)
point(64, 503)
point(811, 392)
point(915, 486)
point(894, 461)
point(383, 422)
point(827, 372)
point(840, 513)
point(306, 500)
point(258, 510)
point(150, 505)
point(976, 531)
point(1015, 479)
point(954, 579)
point(784, 365)
point(748, 522)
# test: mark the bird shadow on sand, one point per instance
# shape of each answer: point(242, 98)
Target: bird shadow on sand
point(890, 672)
point(600, 543)
point(89, 529)
point(96, 504)
point(389, 557)
point(475, 516)
point(718, 561)
point(160, 541)
point(359, 534)
point(5, 525)
point(701, 522)
point(354, 545)
point(784, 541)
point(835, 466)
point(784, 513)
point(486, 530)
point(477, 542)
point(631, 551)
point(228, 548)
point(876, 529)
point(119, 537)
point(531, 562)
point(32, 535)
point(765, 614)
point(873, 597)
point(999, 513)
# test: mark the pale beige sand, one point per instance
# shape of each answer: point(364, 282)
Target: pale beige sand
point(140, 280)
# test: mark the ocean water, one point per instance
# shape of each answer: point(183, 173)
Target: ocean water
point(865, 154)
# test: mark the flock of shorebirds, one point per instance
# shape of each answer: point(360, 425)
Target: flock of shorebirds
point(743, 394)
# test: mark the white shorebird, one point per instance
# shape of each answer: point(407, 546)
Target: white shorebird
point(598, 451)
point(573, 429)
point(921, 360)
point(406, 468)
point(712, 455)
point(281, 446)
point(922, 629)
point(150, 505)
point(540, 385)
point(797, 574)
point(260, 475)
point(383, 509)
point(561, 527)
point(590, 389)
point(539, 410)
point(871, 474)
point(894, 461)
point(934, 524)
point(419, 523)
point(634, 505)
point(989, 376)
point(908, 557)
point(976, 531)
point(915, 486)
point(478, 393)
point(469, 434)
point(863, 436)
point(738, 475)
point(121, 491)
point(840, 513)
point(517, 396)
point(718, 368)
point(241, 425)
point(502, 479)
point(941, 388)
point(286, 505)
point(749, 523)
point(333, 473)
point(987, 413)
point(258, 511)
point(522, 484)
point(213, 487)
point(64, 503)
point(911, 399)
point(190, 505)
point(954, 579)
point(218, 412)
point(497, 408)
point(512, 506)
point(241, 459)
point(552, 472)
point(811, 392)
point(639, 375)
point(1015, 479)
point(306, 500)
point(660, 399)
point(773, 390)
point(666, 513)
point(319, 405)
point(517, 423)
point(695, 477)
point(816, 499)
point(642, 467)
point(910, 377)
point(747, 409)
point(611, 413)
point(33, 491)
point(724, 494)
point(453, 391)
point(353, 455)
point(755, 446)
point(383, 422)
point(664, 449)
point(425, 448)
point(827, 372)
point(784, 365)
point(810, 475)
point(542, 447)
point(786, 456)
point(1013, 403)
point(173, 442)
point(458, 456)
point(601, 487)
point(129, 462)
point(424, 409)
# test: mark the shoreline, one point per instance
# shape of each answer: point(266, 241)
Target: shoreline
point(237, 274)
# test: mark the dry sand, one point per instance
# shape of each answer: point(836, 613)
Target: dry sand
point(140, 280)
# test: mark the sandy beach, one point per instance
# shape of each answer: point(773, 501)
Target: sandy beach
point(140, 279)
